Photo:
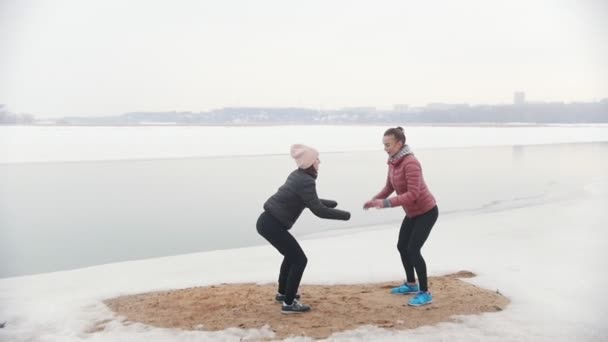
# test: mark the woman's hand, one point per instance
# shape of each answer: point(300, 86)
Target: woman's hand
point(375, 203)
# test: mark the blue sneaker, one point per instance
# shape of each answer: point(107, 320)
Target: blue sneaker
point(405, 289)
point(421, 298)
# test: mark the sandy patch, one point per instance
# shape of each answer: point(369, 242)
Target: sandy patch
point(335, 308)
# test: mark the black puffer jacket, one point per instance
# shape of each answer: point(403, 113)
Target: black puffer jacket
point(299, 192)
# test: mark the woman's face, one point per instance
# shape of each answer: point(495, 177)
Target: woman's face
point(316, 164)
point(391, 145)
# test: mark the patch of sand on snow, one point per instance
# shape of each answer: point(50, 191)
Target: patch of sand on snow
point(335, 308)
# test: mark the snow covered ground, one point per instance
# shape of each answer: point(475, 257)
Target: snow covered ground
point(548, 259)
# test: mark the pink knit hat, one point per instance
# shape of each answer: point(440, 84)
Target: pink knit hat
point(304, 156)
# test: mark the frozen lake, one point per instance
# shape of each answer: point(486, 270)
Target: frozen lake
point(58, 215)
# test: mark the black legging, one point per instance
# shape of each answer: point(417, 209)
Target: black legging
point(413, 234)
point(294, 261)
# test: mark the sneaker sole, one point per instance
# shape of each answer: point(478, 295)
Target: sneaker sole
point(419, 304)
point(293, 312)
point(403, 293)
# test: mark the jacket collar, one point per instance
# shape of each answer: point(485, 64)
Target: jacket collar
point(398, 158)
point(310, 171)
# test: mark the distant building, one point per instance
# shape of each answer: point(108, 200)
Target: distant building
point(519, 98)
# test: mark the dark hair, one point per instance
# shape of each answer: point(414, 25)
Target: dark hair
point(397, 132)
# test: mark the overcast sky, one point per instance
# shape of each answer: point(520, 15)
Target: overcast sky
point(107, 57)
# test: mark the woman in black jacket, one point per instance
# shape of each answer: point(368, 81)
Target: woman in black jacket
point(282, 210)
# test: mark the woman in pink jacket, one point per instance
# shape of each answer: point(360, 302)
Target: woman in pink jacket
point(405, 178)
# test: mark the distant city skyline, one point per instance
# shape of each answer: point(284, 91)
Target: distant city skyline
point(519, 111)
point(518, 98)
point(98, 58)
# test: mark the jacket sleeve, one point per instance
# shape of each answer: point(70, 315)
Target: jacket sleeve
point(387, 190)
point(413, 176)
point(329, 203)
point(308, 192)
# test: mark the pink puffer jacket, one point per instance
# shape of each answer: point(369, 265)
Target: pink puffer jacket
point(405, 177)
